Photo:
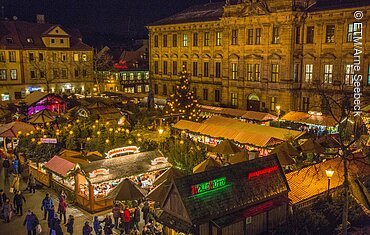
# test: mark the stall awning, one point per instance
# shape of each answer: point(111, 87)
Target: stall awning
point(306, 118)
point(311, 181)
point(238, 131)
point(59, 166)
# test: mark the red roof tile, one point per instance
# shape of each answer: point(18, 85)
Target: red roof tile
point(59, 165)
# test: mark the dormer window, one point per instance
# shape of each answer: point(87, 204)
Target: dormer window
point(9, 40)
point(52, 40)
point(29, 40)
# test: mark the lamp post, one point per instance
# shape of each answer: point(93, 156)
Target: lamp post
point(278, 113)
point(160, 131)
point(329, 173)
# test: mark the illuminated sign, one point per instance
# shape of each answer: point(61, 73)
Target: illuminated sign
point(159, 160)
point(48, 140)
point(264, 171)
point(123, 150)
point(208, 186)
point(97, 172)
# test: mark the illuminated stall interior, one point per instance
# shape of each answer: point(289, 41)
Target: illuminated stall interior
point(37, 101)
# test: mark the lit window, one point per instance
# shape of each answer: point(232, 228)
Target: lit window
point(234, 71)
point(330, 30)
point(250, 37)
point(328, 73)
point(206, 39)
point(272, 103)
point(185, 40)
point(308, 73)
point(2, 56)
point(76, 57)
point(275, 35)
point(234, 99)
point(29, 40)
point(274, 73)
point(12, 56)
point(349, 72)
point(234, 37)
point(218, 38)
point(258, 36)
point(131, 76)
point(164, 40)
point(310, 34)
point(13, 74)
point(350, 33)
point(84, 57)
point(249, 72)
point(3, 74)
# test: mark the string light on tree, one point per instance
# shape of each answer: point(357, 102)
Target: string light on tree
point(183, 101)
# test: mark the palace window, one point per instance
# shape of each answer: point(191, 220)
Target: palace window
point(296, 76)
point(2, 74)
point(165, 66)
point(234, 71)
point(217, 96)
point(310, 34)
point(218, 38)
point(155, 40)
point(41, 56)
point(164, 89)
point(195, 68)
point(274, 73)
point(156, 70)
point(2, 56)
point(174, 67)
point(31, 56)
point(249, 72)
point(349, 72)
point(13, 74)
point(205, 94)
point(33, 74)
point(234, 99)
point(12, 56)
point(298, 35)
point(350, 33)
point(250, 37)
point(330, 31)
point(205, 69)
point(258, 36)
point(185, 40)
point(275, 35)
point(257, 72)
point(218, 69)
point(308, 73)
point(206, 39)
point(174, 40)
point(165, 40)
point(65, 73)
point(328, 73)
point(272, 103)
point(234, 37)
point(195, 39)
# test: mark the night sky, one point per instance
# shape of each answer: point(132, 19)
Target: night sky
point(98, 16)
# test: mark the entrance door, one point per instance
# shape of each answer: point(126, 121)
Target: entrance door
point(253, 103)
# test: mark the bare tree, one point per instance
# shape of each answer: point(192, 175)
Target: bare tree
point(340, 104)
point(103, 61)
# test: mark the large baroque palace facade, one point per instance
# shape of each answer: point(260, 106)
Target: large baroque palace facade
point(260, 54)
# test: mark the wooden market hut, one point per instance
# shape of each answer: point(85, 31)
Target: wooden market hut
point(37, 101)
point(253, 136)
point(108, 173)
point(245, 198)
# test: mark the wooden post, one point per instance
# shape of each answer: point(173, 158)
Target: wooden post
point(91, 197)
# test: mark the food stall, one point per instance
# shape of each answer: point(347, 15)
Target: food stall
point(95, 180)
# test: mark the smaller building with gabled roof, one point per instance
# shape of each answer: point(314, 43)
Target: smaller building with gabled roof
point(246, 198)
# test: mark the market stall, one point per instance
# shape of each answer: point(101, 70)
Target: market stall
point(95, 180)
point(251, 137)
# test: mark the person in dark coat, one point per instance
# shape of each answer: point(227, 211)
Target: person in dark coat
point(145, 211)
point(62, 209)
point(18, 202)
point(69, 225)
point(116, 210)
point(56, 227)
point(31, 183)
point(136, 217)
point(7, 210)
point(51, 217)
point(108, 225)
point(31, 222)
point(46, 205)
point(6, 166)
point(87, 229)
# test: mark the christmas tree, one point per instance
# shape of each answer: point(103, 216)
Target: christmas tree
point(183, 101)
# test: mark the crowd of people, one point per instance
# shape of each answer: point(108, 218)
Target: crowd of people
point(124, 220)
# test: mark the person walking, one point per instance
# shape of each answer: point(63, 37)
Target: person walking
point(145, 211)
point(96, 224)
point(8, 210)
point(62, 208)
point(87, 229)
point(18, 203)
point(15, 183)
point(31, 183)
point(51, 217)
point(126, 220)
point(56, 227)
point(108, 225)
point(6, 166)
point(15, 164)
point(116, 214)
point(136, 217)
point(69, 224)
point(46, 205)
point(31, 223)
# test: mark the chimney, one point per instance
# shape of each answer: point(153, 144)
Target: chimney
point(40, 19)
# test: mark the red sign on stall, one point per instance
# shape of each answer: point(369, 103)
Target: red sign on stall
point(264, 171)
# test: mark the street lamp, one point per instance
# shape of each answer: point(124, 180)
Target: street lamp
point(278, 113)
point(160, 131)
point(329, 173)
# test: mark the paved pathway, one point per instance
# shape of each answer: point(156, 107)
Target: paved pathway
point(33, 202)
